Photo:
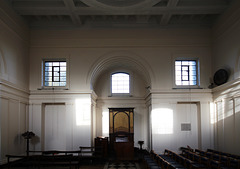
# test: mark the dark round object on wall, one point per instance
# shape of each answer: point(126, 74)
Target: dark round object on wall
point(220, 77)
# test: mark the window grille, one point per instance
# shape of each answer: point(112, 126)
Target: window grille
point(120, 83)
point(55, 73)
point(186, 72)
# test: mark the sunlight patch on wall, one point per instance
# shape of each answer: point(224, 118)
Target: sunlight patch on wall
point(237, 105)
point(228, 108)
point(83, 112)
point(105, 124)
point(162, 121)
point(213, 115)
point(220, 110)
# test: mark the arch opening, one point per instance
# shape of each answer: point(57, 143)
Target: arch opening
point(119, 62)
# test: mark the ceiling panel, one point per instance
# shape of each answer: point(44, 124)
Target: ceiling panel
point(115, 13)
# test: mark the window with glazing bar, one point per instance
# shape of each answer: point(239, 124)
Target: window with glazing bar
point(55, 73)
point(186, 73)
point(120, 83)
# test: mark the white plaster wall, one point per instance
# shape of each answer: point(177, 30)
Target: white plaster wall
point(92, 55)
point(148, 49)
point(227, 103)
point(63, 110)
point(226, 43)
point(154, 49)
point(168, 100)
point(14, 83)
point(207, 128)
point(175, 140)
point(14, 54)
point(13, 124)
point(226, 54)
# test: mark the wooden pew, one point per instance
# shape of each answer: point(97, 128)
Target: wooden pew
point(150, 160)
point(220, 159)
point(54, 160)
point(38, 161)
point(91, 154)
point(224, 153)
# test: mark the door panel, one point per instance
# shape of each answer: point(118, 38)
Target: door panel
point(187, 125)
point(55, 131)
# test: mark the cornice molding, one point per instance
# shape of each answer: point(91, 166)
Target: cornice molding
point(9, 90)
point(225, 86)
point(59, 92)
point(230, 89)
point(181, 91)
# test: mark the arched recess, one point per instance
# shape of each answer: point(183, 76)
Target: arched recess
point(3, 68)
point(237, 66)
point(120, 59)
point(98, 79)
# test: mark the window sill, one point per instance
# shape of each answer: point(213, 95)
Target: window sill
point(54, 88)
point(120, 95)
point(187, 87)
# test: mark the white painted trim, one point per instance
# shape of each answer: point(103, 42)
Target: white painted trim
point(228, 90)
point(116, 57)
point(11, 91)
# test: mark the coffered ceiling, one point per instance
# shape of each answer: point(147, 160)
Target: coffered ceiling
point(119, 13)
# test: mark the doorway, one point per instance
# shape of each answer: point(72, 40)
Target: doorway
point(54, 116)
point(188, 116)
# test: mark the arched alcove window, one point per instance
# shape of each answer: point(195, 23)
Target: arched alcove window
point(120, 83)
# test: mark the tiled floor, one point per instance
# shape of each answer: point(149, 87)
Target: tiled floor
point(121, 165)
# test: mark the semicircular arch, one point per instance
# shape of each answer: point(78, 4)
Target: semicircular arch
point(120, 59)
point(3, 68)
point(237, 66)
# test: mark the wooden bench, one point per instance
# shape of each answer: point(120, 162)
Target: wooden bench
point(46, 158)
point(54, 160)
point(150, 161)
point(15, 160)
point(55, 152)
